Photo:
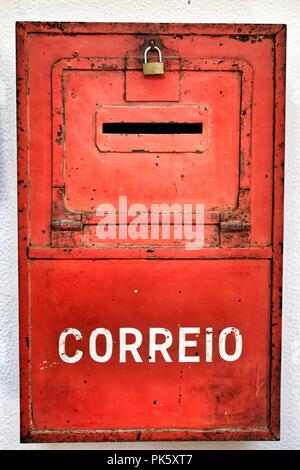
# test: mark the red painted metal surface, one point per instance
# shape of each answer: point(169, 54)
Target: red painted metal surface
point(71, 79)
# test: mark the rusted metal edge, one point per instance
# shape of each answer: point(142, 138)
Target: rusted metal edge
point(150, 435)
point(142, 253)
point(23, 228)
point(278, 188)
point(240, 31)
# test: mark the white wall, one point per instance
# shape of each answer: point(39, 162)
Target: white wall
point(199, 11)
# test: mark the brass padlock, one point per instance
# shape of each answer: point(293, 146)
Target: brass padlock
point(153, 68)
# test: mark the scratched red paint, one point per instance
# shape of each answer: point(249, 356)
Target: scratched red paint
point(229, 77)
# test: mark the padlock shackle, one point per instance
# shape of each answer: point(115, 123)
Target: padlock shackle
point(151, 48)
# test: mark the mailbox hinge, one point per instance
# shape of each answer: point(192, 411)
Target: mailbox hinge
point(234, 226)
point(67, 225)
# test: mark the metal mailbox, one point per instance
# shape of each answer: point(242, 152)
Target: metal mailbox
point(133, 139)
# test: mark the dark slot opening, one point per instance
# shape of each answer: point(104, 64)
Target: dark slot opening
point(152, 128)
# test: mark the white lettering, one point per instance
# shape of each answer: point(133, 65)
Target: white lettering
point(183, 344)
point(156, 349)
point(162, 347)
point(209, 344)
point(133, 347)
point(62, 346)
point(238, 344)
point(109, 345)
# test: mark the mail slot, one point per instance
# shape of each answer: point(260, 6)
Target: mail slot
point(150, 230)
point(178, 129)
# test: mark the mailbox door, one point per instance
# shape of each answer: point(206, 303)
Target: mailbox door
point(125, 335)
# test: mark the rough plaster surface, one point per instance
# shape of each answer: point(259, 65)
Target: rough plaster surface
point(198, 11)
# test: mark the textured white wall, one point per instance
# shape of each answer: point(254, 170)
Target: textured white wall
point(198, 11)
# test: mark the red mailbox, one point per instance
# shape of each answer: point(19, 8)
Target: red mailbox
point(150, 230)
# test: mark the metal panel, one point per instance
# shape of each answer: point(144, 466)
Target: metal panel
point(68, 80)
point(141, 395)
